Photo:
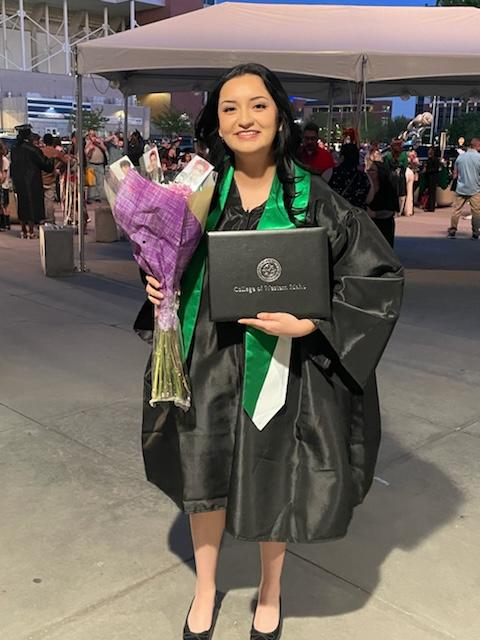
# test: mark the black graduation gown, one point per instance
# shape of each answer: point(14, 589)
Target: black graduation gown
point(28, 162)
point(299, 479)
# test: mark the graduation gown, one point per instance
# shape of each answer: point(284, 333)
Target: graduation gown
point(28, 162)
point(299, 479)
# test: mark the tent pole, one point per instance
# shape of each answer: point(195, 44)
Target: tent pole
point(361, 96)
point(331, 89)
point(437, 115)
point(434, 115)
point(132, 14)
point(125, 122)
point(452, 110)
point(80, 168)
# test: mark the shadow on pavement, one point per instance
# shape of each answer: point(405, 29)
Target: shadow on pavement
point(336, 577)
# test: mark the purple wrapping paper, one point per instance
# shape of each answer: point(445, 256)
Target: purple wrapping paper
point(162, 230)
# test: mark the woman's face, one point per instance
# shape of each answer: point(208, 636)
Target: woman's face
point(247, 115)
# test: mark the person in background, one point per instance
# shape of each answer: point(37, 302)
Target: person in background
point(135, 147)
point(396, 162)
point(184, 160)
point(363, 155)
point(461, 148)
point(349, 181)
point(57, 143)
point(372, 153)
point(114, 144)
point(5, 187)
point(432, 172)
point(316, 158)
point(27, 165)
point(37, 140)
point(467, 172)
point(97, 158)
point(174, 153)
point(384, 205)
point(411, 177)
point(49, 178)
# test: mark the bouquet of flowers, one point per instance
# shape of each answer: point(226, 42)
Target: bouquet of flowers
point(164, 224)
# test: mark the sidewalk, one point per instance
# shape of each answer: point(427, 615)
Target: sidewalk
point(91, 551)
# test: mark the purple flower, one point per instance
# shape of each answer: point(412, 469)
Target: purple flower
point(164, 233)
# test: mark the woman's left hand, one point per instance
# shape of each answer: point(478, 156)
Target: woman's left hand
point(280, 324)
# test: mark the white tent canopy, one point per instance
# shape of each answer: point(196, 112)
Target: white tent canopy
point(396, 50)
point(317, 50)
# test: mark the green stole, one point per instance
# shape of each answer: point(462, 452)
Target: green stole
point(260, 348)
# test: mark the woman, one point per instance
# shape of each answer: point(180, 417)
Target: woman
point(347, 179)
point(27, 165)
point(136, 145)
point(432, 173)
point(411, 176)
point(184, 160)
point(4, 187)
point(384, 204)
point(297, 479)
point(396, 163)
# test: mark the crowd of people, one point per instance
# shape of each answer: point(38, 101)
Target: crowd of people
point(385, 184)
point(43, 172)
point(101, 152)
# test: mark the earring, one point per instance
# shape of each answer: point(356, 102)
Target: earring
point(280, 128)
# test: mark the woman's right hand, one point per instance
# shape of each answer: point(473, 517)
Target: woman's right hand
point(153, 290)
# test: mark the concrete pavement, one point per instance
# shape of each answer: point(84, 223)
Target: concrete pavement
point(91, 551)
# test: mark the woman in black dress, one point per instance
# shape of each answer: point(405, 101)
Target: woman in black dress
point(349, 181)
point(297, 475)
point(26, 168)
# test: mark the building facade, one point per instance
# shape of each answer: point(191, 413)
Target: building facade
point(36, 61)
point(381, 110)
point(343, 115)
point(447, 109)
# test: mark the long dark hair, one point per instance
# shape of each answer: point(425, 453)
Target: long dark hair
point(24, 135)
point(351, 155)
point(285, 144)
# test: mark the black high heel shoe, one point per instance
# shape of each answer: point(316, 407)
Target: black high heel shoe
point(272, 635)
point(203, 635)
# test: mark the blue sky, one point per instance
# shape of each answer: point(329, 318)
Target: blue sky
point(399, 107)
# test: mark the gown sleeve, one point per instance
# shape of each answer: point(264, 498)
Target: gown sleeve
point(42, 162)
point(367, 289)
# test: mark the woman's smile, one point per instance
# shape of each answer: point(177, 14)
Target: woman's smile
point(248, 135)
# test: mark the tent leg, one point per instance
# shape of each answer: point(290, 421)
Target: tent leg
point(331, 89)
point(125, 122)
point(361, 97)
point(80, 169)
point(434, 117)
point(358, 105)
